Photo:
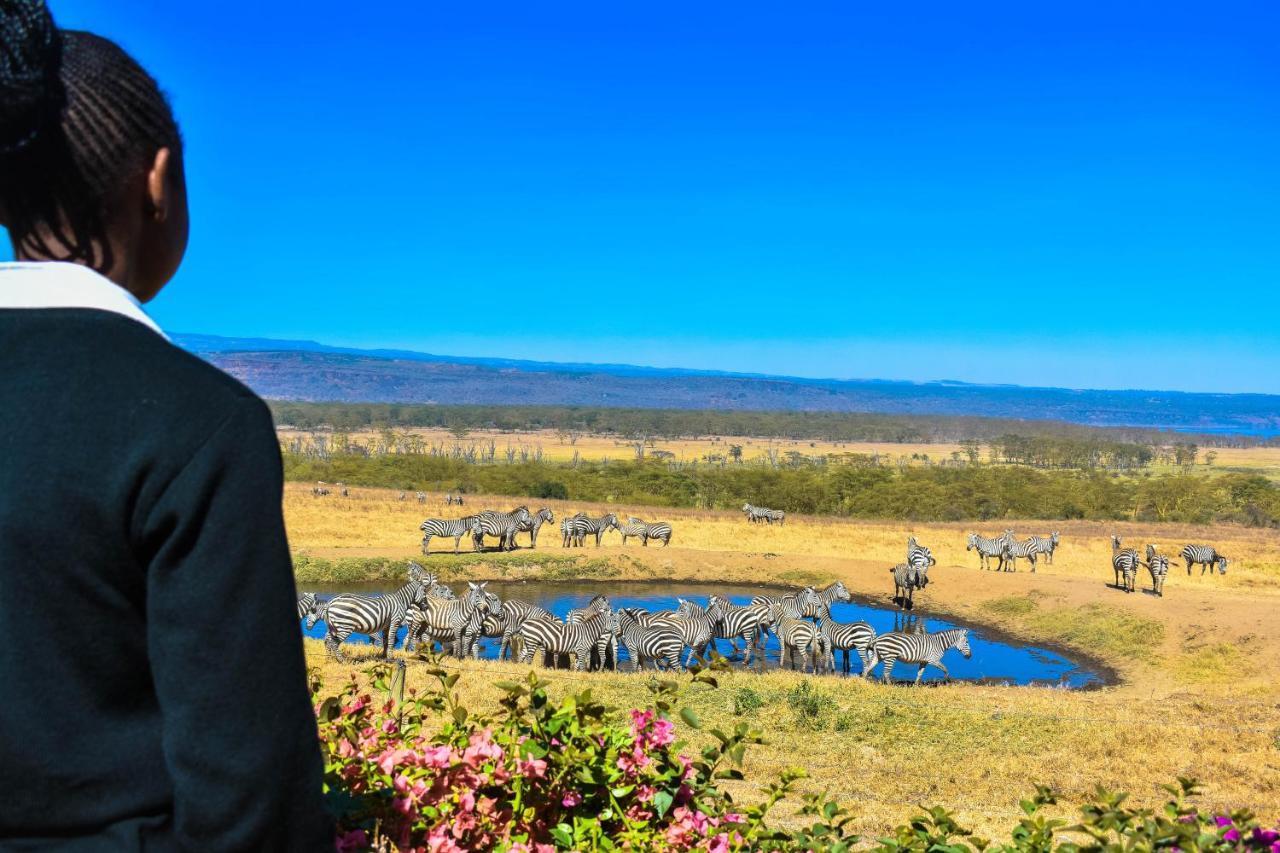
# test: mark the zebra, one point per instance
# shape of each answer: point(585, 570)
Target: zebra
point(514, 613)
point(450, 499)
point(697, 626)
point(822, 606)
point(607, 648)
point(649, 642)
point(988, 548)
point(1206, 555)
point(634, 527)
point(319, 491)
point(307, 604)
point(1158, 565)
point(567, 529)
point(757, 514)
point(351, 613)
point(795, 634)
point(1125, 562)
point(460, 618)
point(659, 530)
point(923, 650)
point(422, 497)
point(403, 496)
point(748, 622)
point(918, 556)
point(753, 514)
point(534, 524)
point(430, 587)
point(1045, 545)
point(584, 525)
point(1024, 550)
point(796, 603)
point(503, 525)
point(845, 636)
point(558, 638)
point(442, 527)
point(906, 580)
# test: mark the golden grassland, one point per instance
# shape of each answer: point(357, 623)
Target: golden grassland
point(1199, 670)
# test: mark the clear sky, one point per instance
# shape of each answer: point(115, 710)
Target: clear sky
point(1083, 194)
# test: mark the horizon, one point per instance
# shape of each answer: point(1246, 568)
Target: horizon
point(1001, 195)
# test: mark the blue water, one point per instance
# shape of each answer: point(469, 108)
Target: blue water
point(993, 661)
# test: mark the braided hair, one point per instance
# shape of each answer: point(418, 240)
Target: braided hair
point(79, 119)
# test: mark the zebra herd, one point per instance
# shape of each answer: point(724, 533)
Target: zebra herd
point(808, 636)
point(505, 526)
point(1125, 562)
point(759, 515)
point(1007, 550)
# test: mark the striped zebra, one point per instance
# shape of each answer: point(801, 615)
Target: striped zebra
point(836, 592)
point(502, 525)
point(1206, 555)
point(442, 527)
point(1125, 562)
point(461, 619)
point(567, 528)
point(988, 548)
point(757, 514)
point(906, 580)
point(450, 499)
point(351, 613)
point(319, 491)
point(514, 612)
point(795, 634)
point(796, 603)
point(749, 622)
point(534, 524)
point(918, 556)
point(584, 525)
point(540, 635)
point(753, 514)
point(634, 527)
point(1046, 545)
point(846, 636)
point(422, 497)
point(697, 626)
point(607, 649)
point(924, 650)
point(307, 604)
point(657, 643)
point(1158, 566)
point(659, 530)
point(1021, 551)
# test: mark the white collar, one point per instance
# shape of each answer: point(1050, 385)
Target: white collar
point(53, 284)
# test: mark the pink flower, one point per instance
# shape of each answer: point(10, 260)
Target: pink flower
point(644, 793)
point(348, 842)
point(393, 758)
point(734, 817)
point(532, 768)
point(440, 841)
point(436, 756)
point(663, 733)
point(719, 844)
point(570, 799)
point(389, 726)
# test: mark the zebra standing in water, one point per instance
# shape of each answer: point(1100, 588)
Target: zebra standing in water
point(649, 642)
point(796, 634)
point(351, 613)
point(307, 604)
point(749, 622)
point(1045, 545)
point(442, 527)
point(1206, 555)
point(1124, 561)
point(534, 524)
point(658, 530)
point(1021, 550)
point(816, 609)
point(845, 636)
point(539, 635)
point(697, 626)
point(906, 580)
point(515, 612)
point(923, 650)
point(460, 619)
point(502, 525)
point(607, 649)
point(988, 548)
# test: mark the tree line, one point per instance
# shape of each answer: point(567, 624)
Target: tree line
point(869, 492)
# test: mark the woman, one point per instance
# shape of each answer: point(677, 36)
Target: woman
point(153, 677)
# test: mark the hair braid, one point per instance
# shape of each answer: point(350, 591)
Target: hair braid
point(79, 118)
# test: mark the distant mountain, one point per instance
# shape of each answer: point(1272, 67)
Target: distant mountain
point(306, 370)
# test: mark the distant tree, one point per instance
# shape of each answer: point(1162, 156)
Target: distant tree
point(1211, 457)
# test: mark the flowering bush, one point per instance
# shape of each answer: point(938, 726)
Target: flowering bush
point(420, 773)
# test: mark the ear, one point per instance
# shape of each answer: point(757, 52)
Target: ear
point(160, 185)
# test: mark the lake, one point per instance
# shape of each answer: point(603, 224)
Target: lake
point(996, 660)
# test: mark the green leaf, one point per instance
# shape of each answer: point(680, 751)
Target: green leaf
point(691, 718)
point(661, 802)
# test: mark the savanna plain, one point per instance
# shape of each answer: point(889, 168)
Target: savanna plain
point(1195, 688)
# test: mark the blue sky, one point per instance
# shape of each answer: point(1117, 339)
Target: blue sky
point(1085, 195)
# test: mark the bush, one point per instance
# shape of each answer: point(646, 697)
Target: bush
point(746, 701)
point(422, 773)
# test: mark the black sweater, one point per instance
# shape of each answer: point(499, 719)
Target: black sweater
point(151, 665)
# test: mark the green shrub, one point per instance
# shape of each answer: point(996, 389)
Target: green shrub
point(746, 701)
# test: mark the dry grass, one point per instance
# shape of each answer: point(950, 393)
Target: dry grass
point(1199, 668)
